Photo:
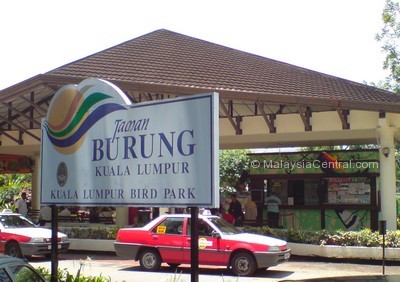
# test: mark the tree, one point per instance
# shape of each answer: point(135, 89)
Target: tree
point(16, 180)
point(390, 39)
point(11, 186)
point(232, 165)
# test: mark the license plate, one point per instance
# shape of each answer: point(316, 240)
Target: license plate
point(49, 247)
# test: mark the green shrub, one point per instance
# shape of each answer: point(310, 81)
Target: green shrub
point(365, 237)
point(112, 232)
point(392, 239)
point(64, 276)
point(90, 232)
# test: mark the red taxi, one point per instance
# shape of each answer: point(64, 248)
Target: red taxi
point(20, 237)
point(167, 239)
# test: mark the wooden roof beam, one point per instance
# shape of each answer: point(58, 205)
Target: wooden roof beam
point(38, 108)
point(269, 119)
point(234, 122)
point(27, 110)
point(8, 105)
point(20, 128)
point(305, 117)
point(343, 114)
point(18, 141)
point(281, 108)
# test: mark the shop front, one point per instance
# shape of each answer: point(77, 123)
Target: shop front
point(318, 190)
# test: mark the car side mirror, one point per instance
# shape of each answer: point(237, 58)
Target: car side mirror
point(215, 234)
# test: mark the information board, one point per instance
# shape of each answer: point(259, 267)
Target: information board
point(99, 149)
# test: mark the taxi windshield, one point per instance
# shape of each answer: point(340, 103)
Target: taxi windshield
point(225, 227)
point(15, 221)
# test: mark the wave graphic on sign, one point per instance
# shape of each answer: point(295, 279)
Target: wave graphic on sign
point(72, 114)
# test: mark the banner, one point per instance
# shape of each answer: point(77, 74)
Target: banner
point(98, 149)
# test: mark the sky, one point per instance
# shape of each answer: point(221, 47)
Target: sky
point(336, 37)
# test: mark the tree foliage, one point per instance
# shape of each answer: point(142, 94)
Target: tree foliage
point(16, 180)
point(232, 164)
point(11, 186)
point(390, 39)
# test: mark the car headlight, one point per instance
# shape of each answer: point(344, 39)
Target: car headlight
point(37, 240)
point(273, 249)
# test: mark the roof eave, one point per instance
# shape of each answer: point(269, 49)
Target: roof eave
point(59, 80)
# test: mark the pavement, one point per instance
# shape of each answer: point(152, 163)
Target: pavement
point(296, 269)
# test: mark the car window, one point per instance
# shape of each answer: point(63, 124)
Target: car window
point(204, 228)
point(224, 226)
point(6, 221)
point(15, 221)
point(171, 225)
point(4, 276)
point(25, 274)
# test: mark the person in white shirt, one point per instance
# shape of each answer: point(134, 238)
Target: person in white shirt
point(21, 206)
point(44, 215)
point(273, 203)
point(64, 212)
point(250, 209)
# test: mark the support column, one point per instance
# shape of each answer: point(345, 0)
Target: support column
point(387, 174)
point(35, 201)
point(122, 216)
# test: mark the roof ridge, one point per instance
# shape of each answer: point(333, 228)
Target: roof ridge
point(166, 57)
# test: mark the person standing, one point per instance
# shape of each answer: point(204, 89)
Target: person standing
point(94, 216)
point(250, 209)
point(235, 209)
point(64, 212)
point(44, 215)
point(21, 205)
point(273, 203)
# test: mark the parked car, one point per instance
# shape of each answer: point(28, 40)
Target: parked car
point(17, 270)
point(167, 239)
point(20, 237)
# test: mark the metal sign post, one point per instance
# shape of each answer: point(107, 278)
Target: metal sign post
point(194, 244)
point(54, 243)
point(382, 231)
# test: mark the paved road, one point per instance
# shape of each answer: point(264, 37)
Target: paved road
point(121, 270)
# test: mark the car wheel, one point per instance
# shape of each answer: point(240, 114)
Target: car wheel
point(150, 260)
point(243, 264)
point(12, 249)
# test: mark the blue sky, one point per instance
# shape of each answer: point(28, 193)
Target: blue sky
point(333, 37)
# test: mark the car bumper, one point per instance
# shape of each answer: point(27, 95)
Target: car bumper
point(126, 250)
point(29, 249)
point(269, 259)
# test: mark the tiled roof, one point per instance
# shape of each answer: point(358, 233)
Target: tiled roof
point(167, 58)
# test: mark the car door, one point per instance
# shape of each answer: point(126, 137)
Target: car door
point(168, 238)
point(210, 251)
point(4, 221)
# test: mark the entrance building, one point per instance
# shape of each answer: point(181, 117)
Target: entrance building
point(264, 103)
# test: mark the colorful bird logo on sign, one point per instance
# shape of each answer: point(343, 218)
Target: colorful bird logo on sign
point(330, 164)
point(74, 109)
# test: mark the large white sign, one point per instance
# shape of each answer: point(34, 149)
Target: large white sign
point(98, 149)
